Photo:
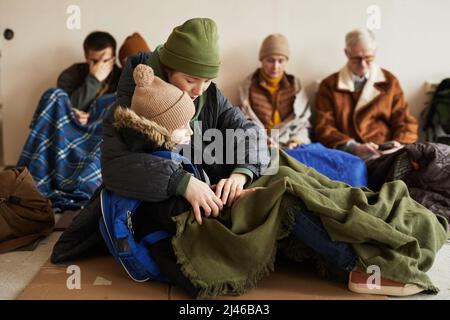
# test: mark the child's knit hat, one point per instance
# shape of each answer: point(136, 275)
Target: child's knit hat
point(159, 101)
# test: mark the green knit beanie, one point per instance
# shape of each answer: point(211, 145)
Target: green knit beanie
point(193, 48)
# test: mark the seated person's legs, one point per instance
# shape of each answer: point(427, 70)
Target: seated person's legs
point(309, 229)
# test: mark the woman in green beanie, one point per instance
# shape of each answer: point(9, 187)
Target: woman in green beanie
point(189, 60)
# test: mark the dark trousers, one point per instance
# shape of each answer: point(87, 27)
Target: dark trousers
point(309, 229)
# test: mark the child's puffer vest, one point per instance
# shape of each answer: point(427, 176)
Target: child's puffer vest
point(115, 227)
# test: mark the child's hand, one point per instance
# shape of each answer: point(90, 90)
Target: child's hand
point(200, 196)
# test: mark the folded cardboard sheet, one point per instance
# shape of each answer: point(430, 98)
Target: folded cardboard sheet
point(101, 278)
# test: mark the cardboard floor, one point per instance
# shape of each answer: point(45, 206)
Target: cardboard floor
point(101, 278)
point(65, 220)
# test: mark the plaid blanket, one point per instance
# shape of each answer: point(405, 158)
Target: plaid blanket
point(62, 155)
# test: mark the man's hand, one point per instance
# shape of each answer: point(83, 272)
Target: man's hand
point(367, 150)
point(230, 189)
point(271, 142)
point(200, 196)
point(393, 147)
point(81, 116)
point(101, 69)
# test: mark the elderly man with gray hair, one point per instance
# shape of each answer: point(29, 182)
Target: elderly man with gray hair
point(362, 109)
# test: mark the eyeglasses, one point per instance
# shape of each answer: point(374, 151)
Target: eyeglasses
point(358, 60)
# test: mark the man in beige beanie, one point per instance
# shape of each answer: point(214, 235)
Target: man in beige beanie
point(274, 44)
point(275, 100)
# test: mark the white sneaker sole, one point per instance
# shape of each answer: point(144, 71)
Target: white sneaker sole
point(406, 290)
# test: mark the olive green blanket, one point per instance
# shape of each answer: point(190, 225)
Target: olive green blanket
point(388, 229)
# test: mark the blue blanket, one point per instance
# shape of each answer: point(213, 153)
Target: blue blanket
point(62, 155)
point(335, 164)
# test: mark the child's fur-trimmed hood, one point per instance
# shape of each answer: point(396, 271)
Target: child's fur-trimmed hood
point(127, 118)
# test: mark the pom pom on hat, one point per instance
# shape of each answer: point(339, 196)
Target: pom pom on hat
point(143, 75)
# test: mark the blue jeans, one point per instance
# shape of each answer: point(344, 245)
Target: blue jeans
point(309, 229)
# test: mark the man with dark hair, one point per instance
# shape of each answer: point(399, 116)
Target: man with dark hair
point(100, 74)
point(99, 40)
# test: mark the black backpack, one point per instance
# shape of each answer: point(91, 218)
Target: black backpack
point(437, 116)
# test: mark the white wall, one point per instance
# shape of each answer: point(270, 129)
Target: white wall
point(413, 40)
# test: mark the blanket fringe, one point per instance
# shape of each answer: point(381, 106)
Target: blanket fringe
point(232, 287)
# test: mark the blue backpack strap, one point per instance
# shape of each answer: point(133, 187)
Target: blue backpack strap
point(154, 237)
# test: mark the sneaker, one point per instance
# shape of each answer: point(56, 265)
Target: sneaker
point(357, 282)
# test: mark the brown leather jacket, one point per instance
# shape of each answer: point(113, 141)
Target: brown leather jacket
point(380, 114)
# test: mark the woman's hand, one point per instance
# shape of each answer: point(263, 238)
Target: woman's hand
point(230, 189)
point(250, 190)
point(292, 145)
point(200, 196)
